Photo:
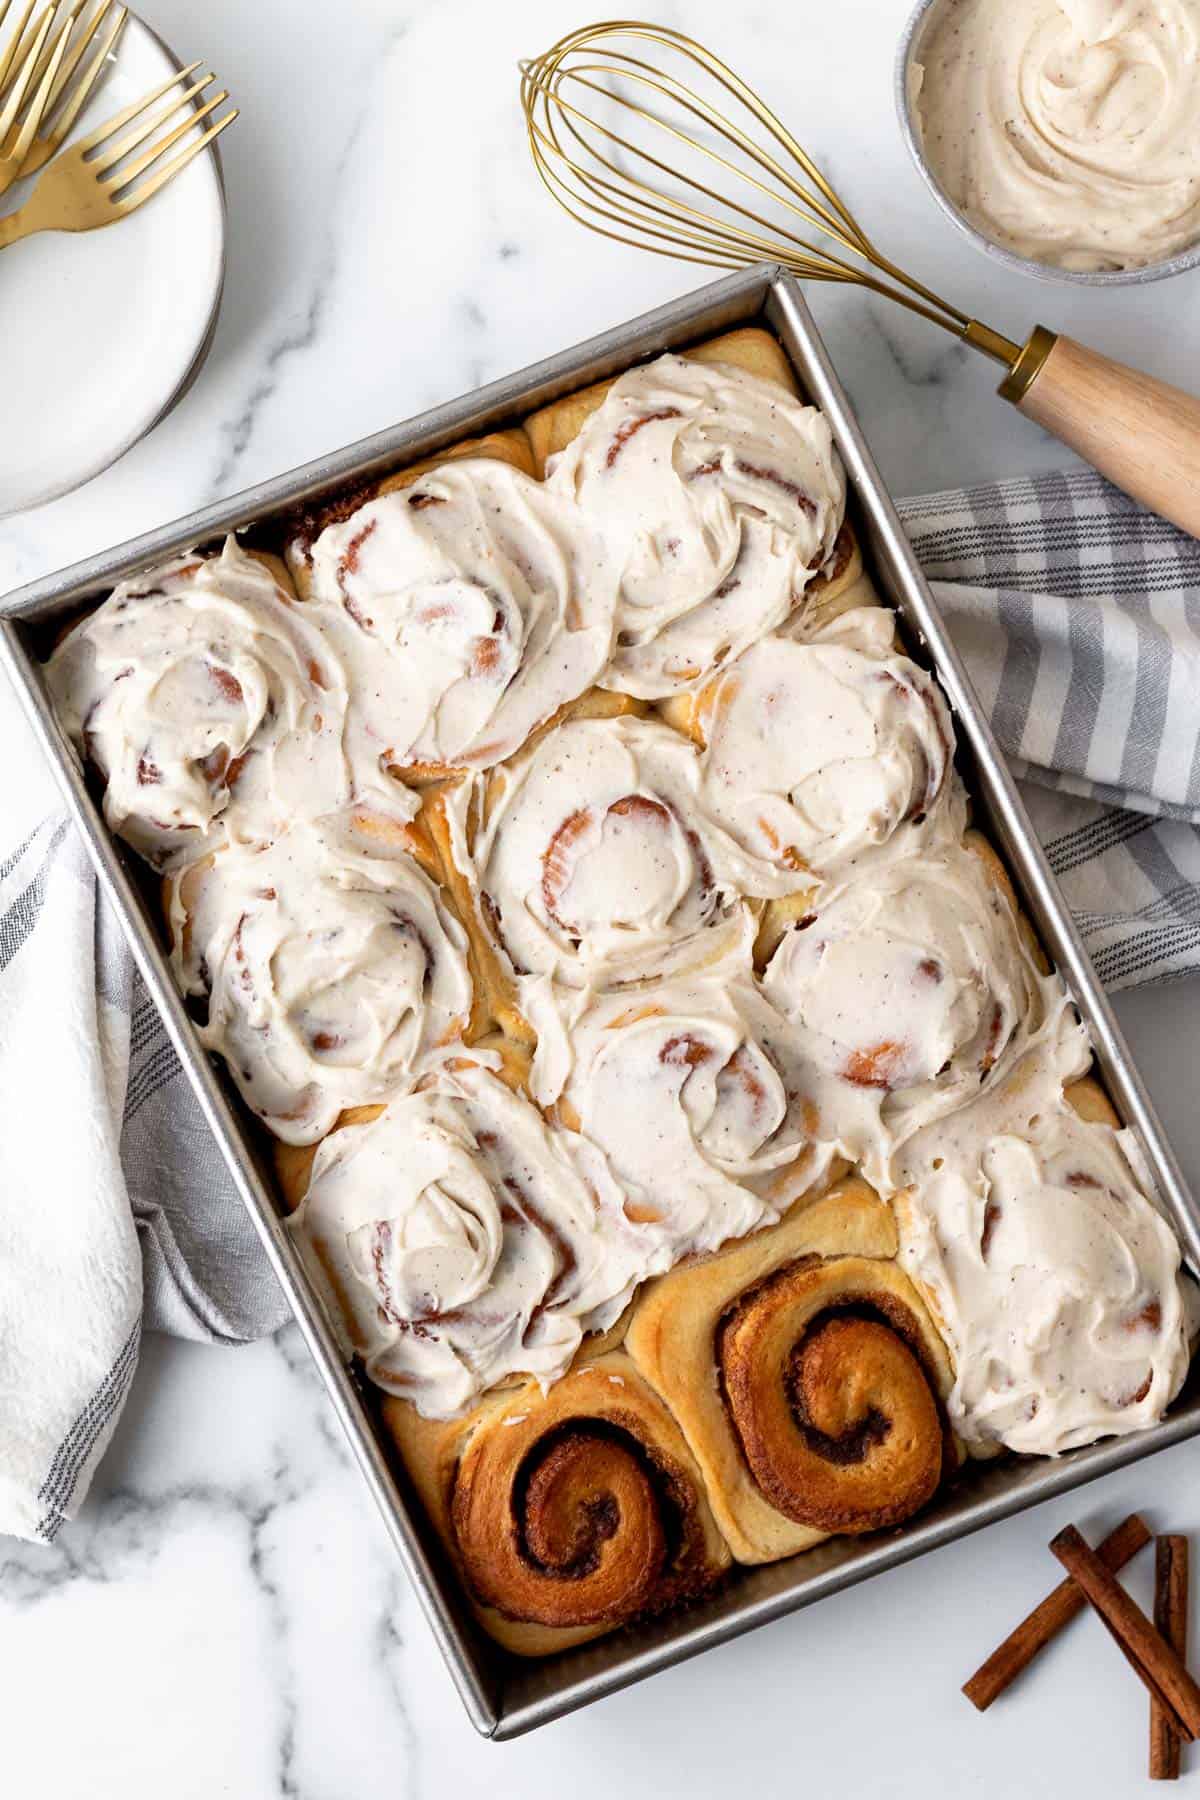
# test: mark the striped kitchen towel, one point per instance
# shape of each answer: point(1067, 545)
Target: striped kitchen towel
point(1078, 615)
point(115, 1209)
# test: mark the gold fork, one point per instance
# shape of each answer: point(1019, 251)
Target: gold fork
point(30, 70)
point(76, 80)
point(91, 183)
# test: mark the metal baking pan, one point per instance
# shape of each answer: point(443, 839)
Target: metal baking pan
point(505, 1696)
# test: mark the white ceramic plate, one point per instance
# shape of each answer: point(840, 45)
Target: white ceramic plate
point(101, 331)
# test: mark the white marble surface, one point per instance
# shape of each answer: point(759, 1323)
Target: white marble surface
point(226, 1616)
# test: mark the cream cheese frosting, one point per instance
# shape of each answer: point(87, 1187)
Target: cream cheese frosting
point(1056, 1284)
point(462, 1240)
point(469, 608)
point(718, 498)
point(816, 752)
point(595, 860)
point(331, 968)
point(681, 1085)
point(905, 994)
point(1067, 130)
point(215, 708)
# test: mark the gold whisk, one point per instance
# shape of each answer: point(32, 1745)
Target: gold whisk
point(627, 130)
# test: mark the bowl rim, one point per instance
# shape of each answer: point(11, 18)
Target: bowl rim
point(1183, 260)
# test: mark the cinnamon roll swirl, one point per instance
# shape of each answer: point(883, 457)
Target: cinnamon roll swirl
point(569, 1513)
point(329, 965)
point(1055, 1281)
point(817, 753)
point(469, 606)
point(806, 1375)
point(590, 863)
point(907, 993)
point(214, 708)
point(460, 1240)
point(718, 497)
point(681, 1085)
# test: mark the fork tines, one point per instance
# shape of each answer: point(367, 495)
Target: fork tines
point(44, 78)
point(106, 149)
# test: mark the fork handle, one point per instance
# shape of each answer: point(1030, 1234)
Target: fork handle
point(1143, 434)
point(16, 226)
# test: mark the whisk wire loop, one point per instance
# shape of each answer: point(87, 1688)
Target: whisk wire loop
point(663, 189)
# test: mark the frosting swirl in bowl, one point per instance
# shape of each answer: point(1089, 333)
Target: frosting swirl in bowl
point(1067, 130)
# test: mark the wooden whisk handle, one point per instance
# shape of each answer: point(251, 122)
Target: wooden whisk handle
point(1143, 434)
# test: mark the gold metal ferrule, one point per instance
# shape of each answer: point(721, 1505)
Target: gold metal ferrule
point(1027, 367)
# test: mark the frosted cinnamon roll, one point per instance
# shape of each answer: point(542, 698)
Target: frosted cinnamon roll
point(718, 497)
point(1054, 1279)
point(681, 1085)
point(213, 707)
point(906, 994)
point(473, 603)
point(462, 1241)
point(806, 1375)
point(591, 863)
point(330, 967)
point(818, 752)
point(569, 1513)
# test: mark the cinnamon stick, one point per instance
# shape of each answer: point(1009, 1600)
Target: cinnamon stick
point(1032, 1635)
point(1157, 1665)
point(1171, 1617)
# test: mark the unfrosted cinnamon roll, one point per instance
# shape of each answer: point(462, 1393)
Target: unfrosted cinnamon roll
point(718, 497)
point(806, 1376)
point(591, 863)
point(462, 1241)
point(1054, 1279)
point(912, 988)
point(330, 966)
point(681, 1086)
point(469, 607)
point(214, 708)
point(816, 753)
point(569, 1513)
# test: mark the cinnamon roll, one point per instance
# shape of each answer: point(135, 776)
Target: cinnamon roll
point(1054, 1279)
point(718, 498)
point(470, 606)
point(681, 1085)
point(461, 1241)
point(568, 1513)
point(816, 753)
point(213, 707)
point(329, 966)
point(305, 525)
point(590, 863)
point(806, 1375)
point(907, 993)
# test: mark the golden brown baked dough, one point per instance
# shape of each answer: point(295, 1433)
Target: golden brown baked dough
point(806, 1375)
point(568, 1513)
